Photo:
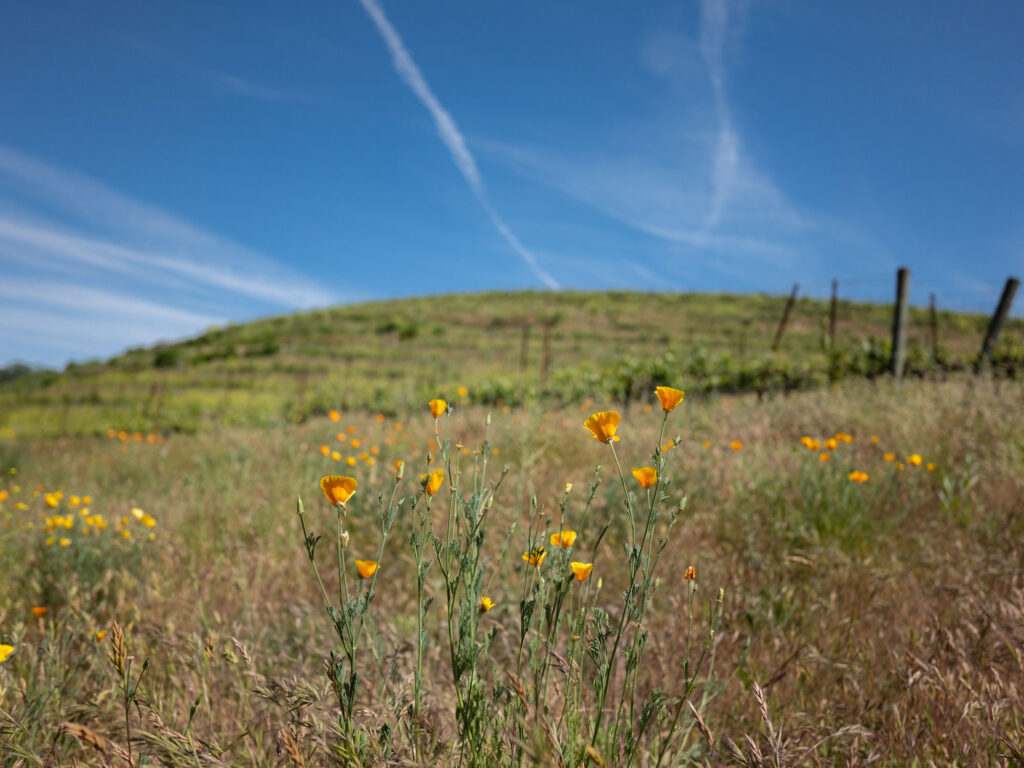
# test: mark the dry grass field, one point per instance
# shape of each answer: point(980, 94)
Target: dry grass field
point(830, 621)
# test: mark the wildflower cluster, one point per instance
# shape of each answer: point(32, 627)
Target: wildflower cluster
point(566, 647)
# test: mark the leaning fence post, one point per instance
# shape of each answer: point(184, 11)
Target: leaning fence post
point(996, 323)
point(785, 318)
point(899, 323)
point(832, 315)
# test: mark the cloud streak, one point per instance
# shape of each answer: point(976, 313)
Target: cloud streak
point(449, 134)
point(88, 269)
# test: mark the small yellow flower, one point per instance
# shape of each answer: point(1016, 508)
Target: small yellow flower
point(914, 460)
point(5, 651)
point(98, 634)
point(338, 489)
point(691, 574)
point(65, 542)
point(138, 514)
point(706, 444)
point(74, 501)
point(900, 466)
point(333, 415)
point(874, 438)
point(568, 488)
point(930, 467)
point(824, 457)
point(355, 442)
point(806, 441)
point(366, 568)
point(603, 425)
point(736, 445)
point(3, 496)
point(889, 457)
point(463, 391)
point(830, 444)
point(351, 461)
point(669, 397)
point(39, 611)
point(858, 477)
point(486, 604)
point(126, 534)
point(646, 476)
point(87, 500)
point(325, 450)
point(438, 408)
point(535, 556)
point(563, 539)
point(581, 570)
point(432, 481)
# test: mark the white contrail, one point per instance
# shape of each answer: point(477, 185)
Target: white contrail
point(449, 133)
point(713, 30)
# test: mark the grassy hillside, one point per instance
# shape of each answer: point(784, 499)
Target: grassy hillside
point(388, 356)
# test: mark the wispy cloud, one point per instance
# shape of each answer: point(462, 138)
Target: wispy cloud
point(240, 86)
point(449, 133)
point(139, 273)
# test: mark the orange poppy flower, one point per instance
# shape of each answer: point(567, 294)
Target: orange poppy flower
point(914, 460)
point(333, 415)
point(438, 408)
point(691, 573)
point(39, 611)
point(669, 397)
point(581, 570)
point(535, 556)
point(736, 445)
point(858, 477)
point(646, 476)
point(603, 425)
point(366, 568)
point(432, 481)
point(563, 539)
point(338, 489)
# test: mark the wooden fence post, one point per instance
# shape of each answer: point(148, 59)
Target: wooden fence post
point(996, 323)
point(545, 361)
point(832, 315)
point(933, 323)
point(785, 318)
point(524, 349)
point(899, 323)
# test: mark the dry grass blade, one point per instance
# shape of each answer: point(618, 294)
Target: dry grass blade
point(88, 736)
point(702, 726)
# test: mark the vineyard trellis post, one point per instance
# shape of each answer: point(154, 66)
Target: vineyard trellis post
point(899, 323)
point(996, 323)
point(787, 310)
point(832, 315)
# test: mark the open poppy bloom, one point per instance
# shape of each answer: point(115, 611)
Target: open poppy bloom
point(437, 408)
point(646, 476)
point(486, 604)
point(432, 481)
point(39, 611)
point(858, 477)
point(914, 460)
point(338, 489)
point(563, 539)
point(535, 556)
point(581, 570)
point(333, 415)
point(669, 397)
point(366, 568)
point(5, 651)
point(736, 445)
point(603, 425)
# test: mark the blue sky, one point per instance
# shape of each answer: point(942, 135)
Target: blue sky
point(165, 167)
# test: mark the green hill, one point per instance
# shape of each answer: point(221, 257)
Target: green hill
point(504, 348)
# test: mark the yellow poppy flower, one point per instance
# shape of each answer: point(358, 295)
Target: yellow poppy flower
point(351, 461)
point(338, 489)
point(486, 604)
point(335, 456)
point(914, 460)
point(889, 457)
point(646, 476)
point(432, 481)
point(858, 477)
point(581, 570)
point(563, 539)
point(463, 391)
point(437, 408)
point(830, 444)
point(535, 556)
point(366, 568)
point(98, 634)
point(5, 651)
point(603, 425)
point(65, 542)
point(824, 457)
point(736, 445)
point(669, 397)
point(333, 415)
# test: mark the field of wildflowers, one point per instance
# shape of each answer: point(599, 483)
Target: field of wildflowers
point(829, 578)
